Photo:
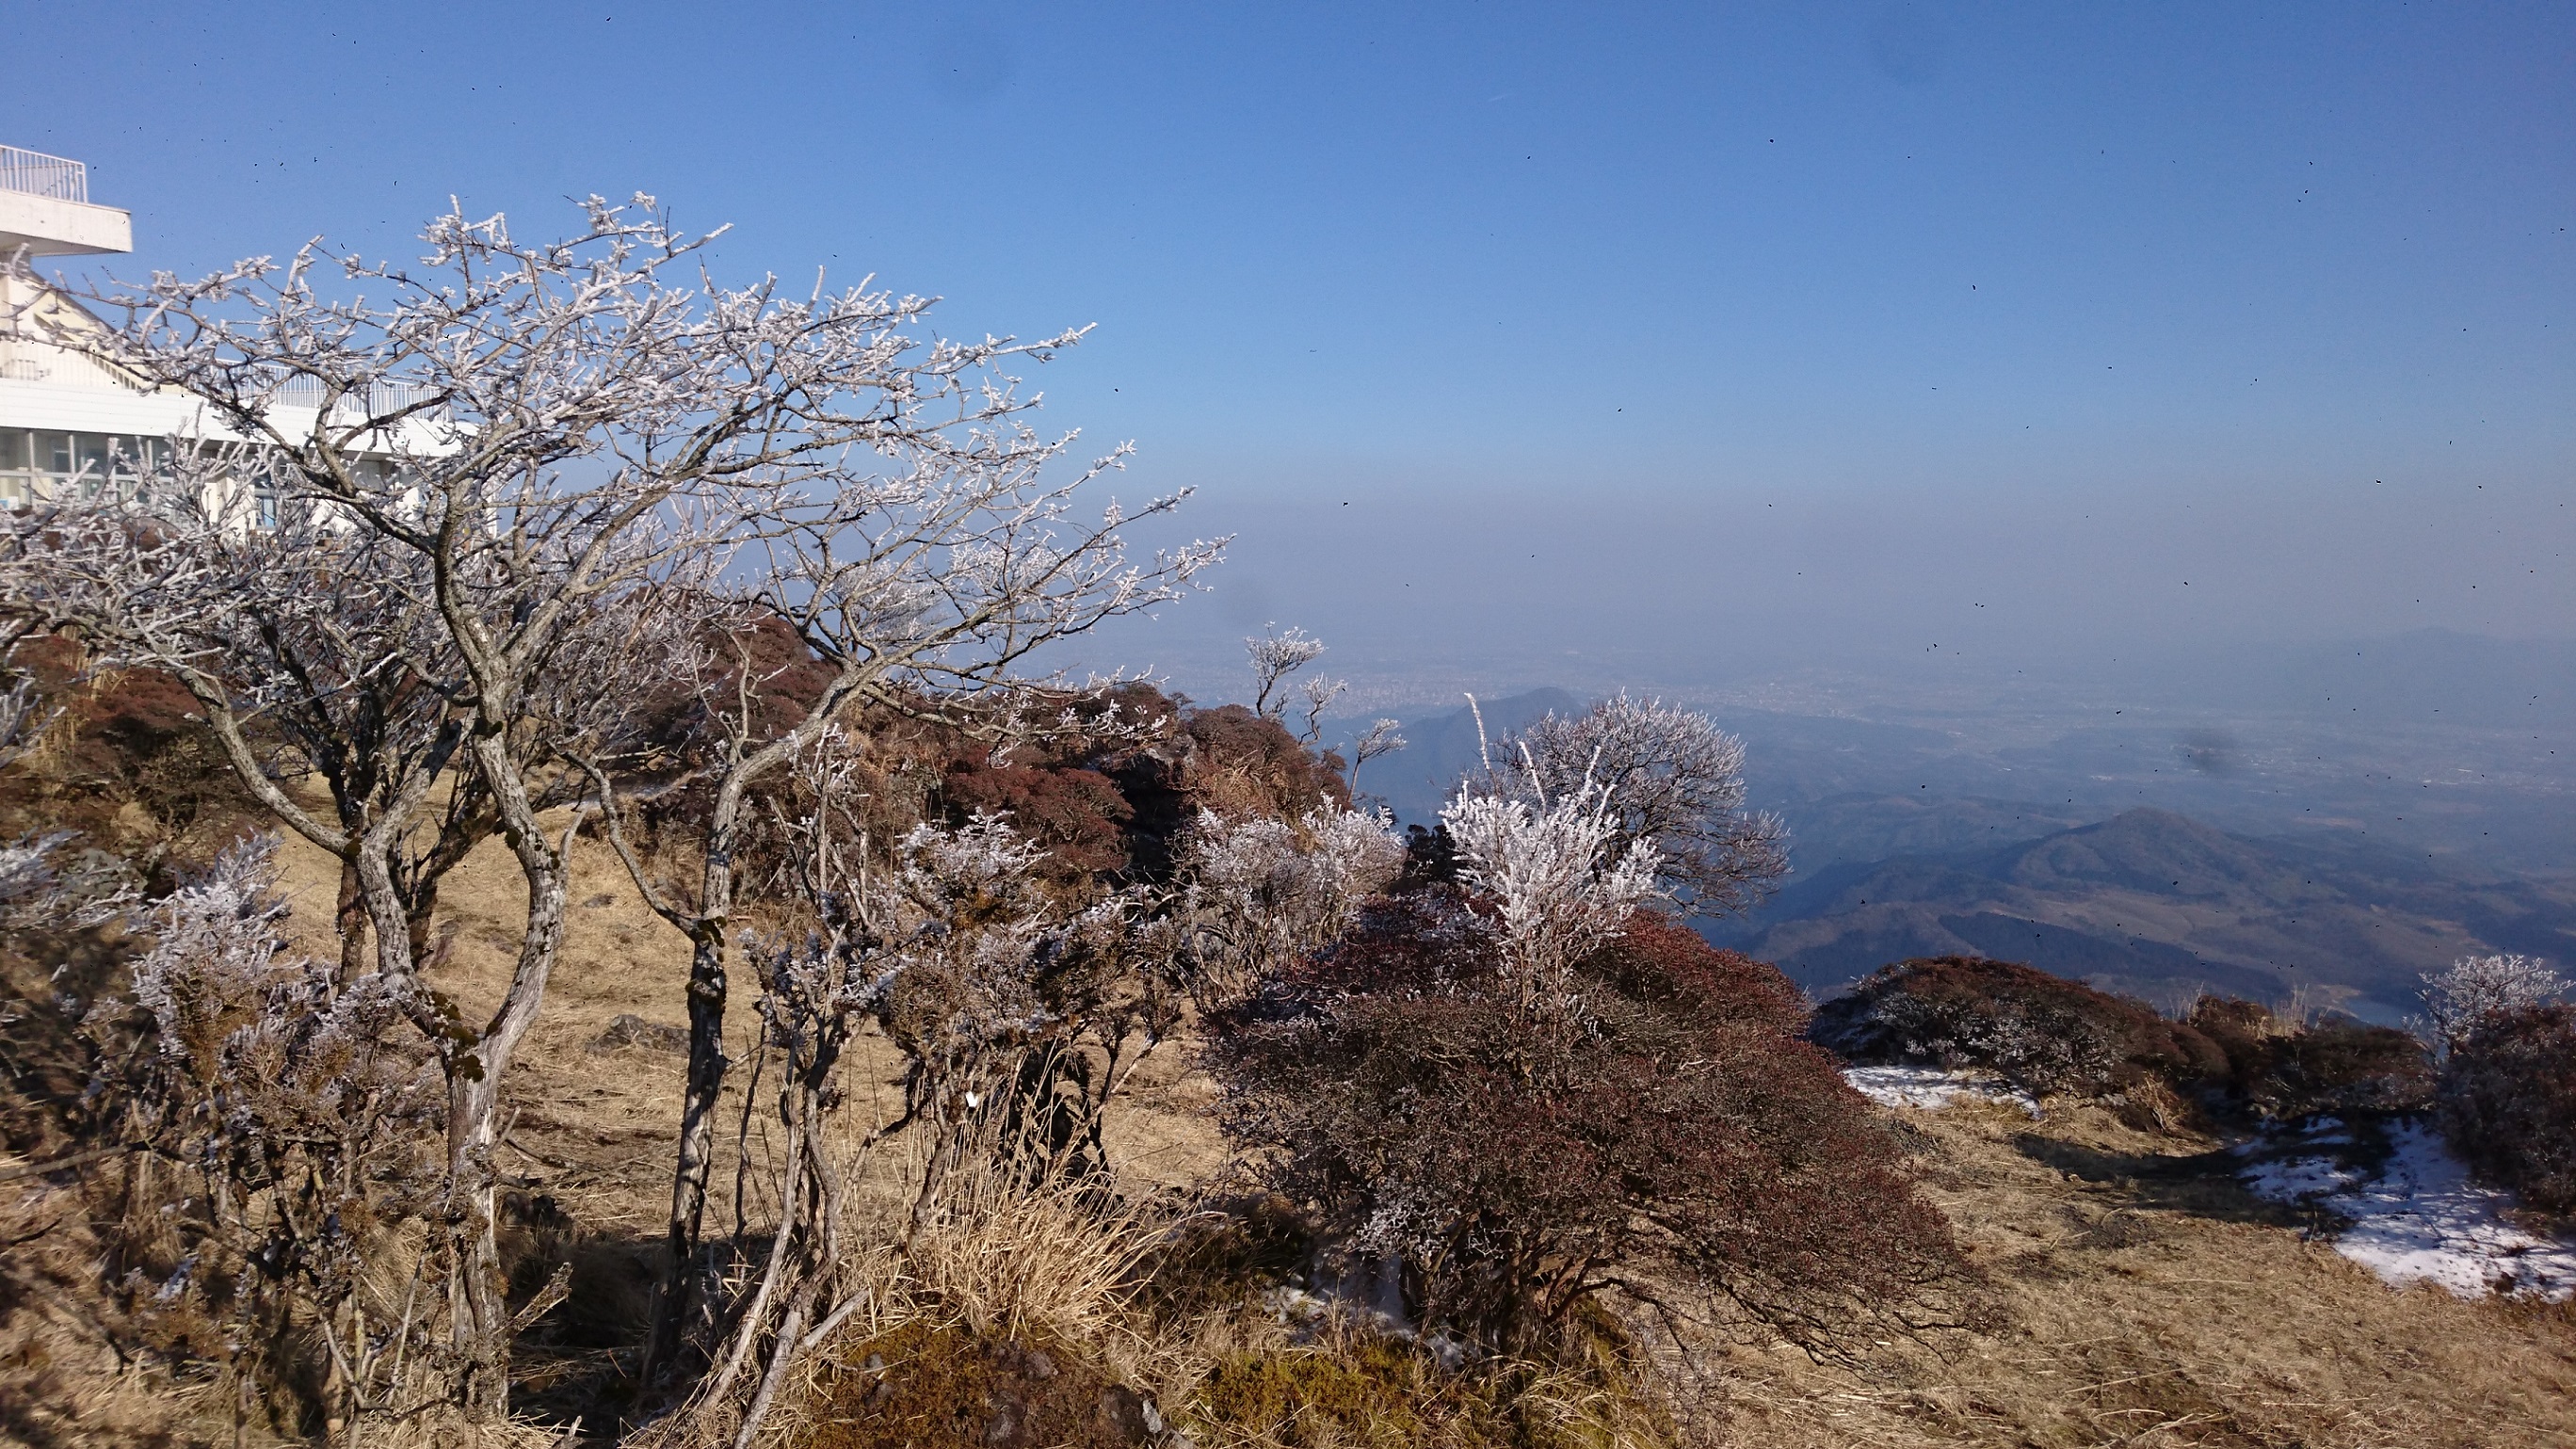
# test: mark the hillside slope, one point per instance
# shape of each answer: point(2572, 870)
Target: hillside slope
point(2157, 905)
point(2141, 1297)
point(2137, 1295)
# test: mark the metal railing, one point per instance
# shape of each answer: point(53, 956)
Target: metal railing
point(383, 397)
point(38, 174)
point(23, 359)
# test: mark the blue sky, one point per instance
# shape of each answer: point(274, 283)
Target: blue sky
point(1714, 332)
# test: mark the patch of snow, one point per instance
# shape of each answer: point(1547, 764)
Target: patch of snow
point(1295, 1305)
point(1932, 1088)
point(2419, 1218)
point(1368, 1291)
point(2292, 1179)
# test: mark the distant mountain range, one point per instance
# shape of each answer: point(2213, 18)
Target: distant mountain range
point(2456, 745)
point(2158, 905)
point(2343, 861)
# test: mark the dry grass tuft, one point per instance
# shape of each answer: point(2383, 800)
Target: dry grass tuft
point(1364, 1390)
point(928, 1384)
point(1059, 1257)
point(1048, 1314)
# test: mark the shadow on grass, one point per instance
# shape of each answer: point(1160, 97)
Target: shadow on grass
point(577, 1361)
point(2203, 1184)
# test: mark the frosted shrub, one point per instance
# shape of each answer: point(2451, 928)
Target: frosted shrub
point(2508, 1101)
point(1018, 1015)
point(1684, 1153)
point(2475, 987)
point(2508, 1082)
point(1560, 879)
point(2044, 1033)
point(41, 883)
point(303, 1117)
point(1262, 893)
point(1668, 776)
point(1525, 1092)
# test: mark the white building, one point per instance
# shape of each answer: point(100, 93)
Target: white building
point(67, 421)
point(62, 417)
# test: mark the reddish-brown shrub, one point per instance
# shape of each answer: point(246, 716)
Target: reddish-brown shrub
point(2279, 1068)
point(126, 766)
point(2243, 1031)
point(1110, 805)
point(1240, 753)
point(1692, 1140)
point(1077, 814)
point(2508, 1102)
point(2043, 1033)
point(2343, 1066)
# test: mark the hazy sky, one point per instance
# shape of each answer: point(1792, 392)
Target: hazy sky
point(1815, 331)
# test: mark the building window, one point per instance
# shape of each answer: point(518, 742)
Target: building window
point(40, 465)
point(17, 468)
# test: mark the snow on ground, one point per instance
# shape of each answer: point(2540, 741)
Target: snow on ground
point(2417, 1216)
point(1932, 1088)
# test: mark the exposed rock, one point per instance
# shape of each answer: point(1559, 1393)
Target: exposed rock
point(629, 1030)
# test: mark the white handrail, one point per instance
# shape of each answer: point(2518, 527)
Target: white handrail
point(38, 174)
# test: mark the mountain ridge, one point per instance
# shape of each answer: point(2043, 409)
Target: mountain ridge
point(2158, 905)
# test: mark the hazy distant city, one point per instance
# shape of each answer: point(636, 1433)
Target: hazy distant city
point(2426, 778)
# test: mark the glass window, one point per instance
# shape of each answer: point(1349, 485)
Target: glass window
point(38, 463)
point(17, 467)
point(90, 456)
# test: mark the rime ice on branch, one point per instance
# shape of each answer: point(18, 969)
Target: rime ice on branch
point(520, 485)
point(1666, 775)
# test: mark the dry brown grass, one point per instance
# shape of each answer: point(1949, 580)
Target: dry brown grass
point(2147, 1300)
point(1054, 1257)
point(2141, 1298)
point(62, 1382)
point(1349, 1390)
point(1005, 1274)
point(65, 1385)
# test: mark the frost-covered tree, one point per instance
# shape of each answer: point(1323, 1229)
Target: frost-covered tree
point(1382, 737)
point(533, 480)
point(2474, 988)
point(316, 648)
point(1669, 776)
point(1276, 656)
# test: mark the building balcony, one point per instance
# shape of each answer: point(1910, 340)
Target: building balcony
point(45, 208)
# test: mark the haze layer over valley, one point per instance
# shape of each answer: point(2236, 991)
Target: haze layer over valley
point(2328, 820)
point(1471, 726)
